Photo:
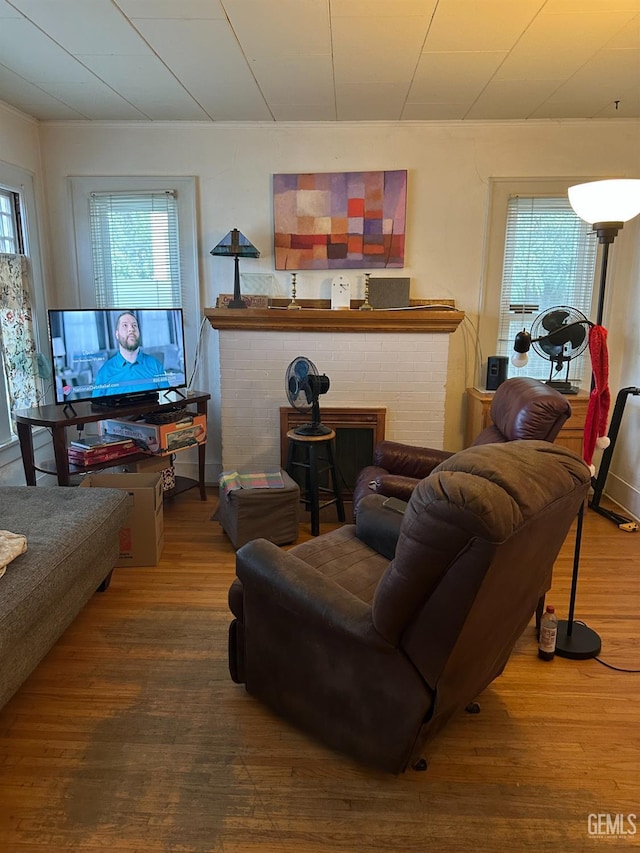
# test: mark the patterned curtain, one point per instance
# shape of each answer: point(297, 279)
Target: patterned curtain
point(19, 352)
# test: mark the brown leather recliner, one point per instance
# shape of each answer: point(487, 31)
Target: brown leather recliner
point(522, 408)
point(373, 656)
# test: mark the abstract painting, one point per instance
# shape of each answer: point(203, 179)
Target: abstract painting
point(339, 220)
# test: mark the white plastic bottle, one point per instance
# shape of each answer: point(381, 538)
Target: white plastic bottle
point(548, 634)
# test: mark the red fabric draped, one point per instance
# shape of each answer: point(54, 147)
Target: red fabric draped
point(600, 398)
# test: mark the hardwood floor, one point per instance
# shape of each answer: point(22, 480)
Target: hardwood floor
point(130, 735)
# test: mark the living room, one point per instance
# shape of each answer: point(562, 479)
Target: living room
point(453, 168)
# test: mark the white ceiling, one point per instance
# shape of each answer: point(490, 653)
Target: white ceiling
point(320, 60)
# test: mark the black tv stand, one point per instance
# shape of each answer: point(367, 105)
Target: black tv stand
point(57, 418)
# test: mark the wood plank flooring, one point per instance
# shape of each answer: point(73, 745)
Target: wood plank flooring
point(131, 737)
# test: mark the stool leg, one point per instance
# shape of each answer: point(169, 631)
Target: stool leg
point(314, 498)
point(334, 479)
point(289, 468)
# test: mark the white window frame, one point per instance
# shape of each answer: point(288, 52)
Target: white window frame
point(185, 190)
point(501, 190)
point(20, 181)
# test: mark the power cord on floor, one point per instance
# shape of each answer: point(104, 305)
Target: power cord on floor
point(604, 662)
point(617, 668)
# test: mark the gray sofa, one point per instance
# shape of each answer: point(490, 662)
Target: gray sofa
point(72, 546)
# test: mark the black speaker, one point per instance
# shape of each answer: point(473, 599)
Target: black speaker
point(496, 371)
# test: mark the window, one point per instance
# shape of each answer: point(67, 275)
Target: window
point(135, 249)
point(541, 255)
point(11, 237)
point(136, 246)
point(549, 260)
point(24, 366)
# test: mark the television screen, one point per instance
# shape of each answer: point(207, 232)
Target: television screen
point(114, 356)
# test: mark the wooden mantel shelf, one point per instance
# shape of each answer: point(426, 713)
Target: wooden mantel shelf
point(416, 319)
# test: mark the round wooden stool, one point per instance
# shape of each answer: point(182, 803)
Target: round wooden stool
point(315, 464)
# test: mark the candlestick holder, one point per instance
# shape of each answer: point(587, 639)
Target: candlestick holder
point(365, 305)
point(293, 305)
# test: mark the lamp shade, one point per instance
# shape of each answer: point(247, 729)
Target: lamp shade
point(606, 201)
point(235, 245)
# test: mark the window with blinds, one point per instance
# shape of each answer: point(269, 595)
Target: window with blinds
point(11, 240)
point(135, 249)
point(549, 260)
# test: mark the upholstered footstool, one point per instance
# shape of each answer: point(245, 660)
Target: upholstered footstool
point(266, 513)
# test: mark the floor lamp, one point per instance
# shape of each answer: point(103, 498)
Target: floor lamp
point(606, 206)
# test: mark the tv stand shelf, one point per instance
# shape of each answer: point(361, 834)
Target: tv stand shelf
point(57, 418)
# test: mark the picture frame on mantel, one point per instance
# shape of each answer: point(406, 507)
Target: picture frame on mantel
point(339, 220)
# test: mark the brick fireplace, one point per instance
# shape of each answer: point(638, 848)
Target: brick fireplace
point(399, 367)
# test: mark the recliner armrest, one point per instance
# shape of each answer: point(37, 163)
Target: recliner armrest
point(407, 459)
point(377, 526)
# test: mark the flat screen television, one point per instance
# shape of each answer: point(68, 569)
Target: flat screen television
point(115, 357)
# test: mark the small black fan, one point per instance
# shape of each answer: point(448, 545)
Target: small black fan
point(560, 335)
point(304, 385)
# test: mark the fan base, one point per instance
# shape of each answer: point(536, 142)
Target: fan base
point(312, 429)
point(562, 387)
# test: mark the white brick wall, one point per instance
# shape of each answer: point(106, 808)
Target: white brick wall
point(404, 372)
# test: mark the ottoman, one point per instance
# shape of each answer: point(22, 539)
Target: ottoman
point(270, 513)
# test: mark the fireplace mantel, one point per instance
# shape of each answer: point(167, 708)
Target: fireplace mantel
point(421, 318)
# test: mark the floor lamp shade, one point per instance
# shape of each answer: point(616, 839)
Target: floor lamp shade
point(606, 201)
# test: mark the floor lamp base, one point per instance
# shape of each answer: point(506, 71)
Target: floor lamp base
point(581, 644)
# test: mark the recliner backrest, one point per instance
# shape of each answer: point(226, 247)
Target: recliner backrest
point(525, 408)
point(476, 548)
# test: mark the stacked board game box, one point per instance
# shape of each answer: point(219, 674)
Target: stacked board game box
point(93, 449)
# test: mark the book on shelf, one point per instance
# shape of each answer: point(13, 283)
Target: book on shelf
point(86, 458)
point(92, 442)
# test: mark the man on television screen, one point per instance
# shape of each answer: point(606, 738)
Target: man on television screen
point(130, 370)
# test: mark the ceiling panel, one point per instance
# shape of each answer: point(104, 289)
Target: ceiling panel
point(186, 10)
point(286, 27)
point(206, 59)
point(379, 49)
point(33, 100)
point(458, 77)
point(96, 101)
point(487, 25)
point(612, 75)
point(557, 45)
point(104, 30)
point(32, 55)
point(511, 99)
point(148, 85)
point(382, 8)
point(296, 79)
point(320, 60)
point(370, 101)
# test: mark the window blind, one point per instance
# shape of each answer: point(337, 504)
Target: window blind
point(135, 249)
point(549, 260)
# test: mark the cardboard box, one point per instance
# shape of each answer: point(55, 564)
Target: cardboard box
point(162, 465)
point(162, 439)
point(142, 539)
